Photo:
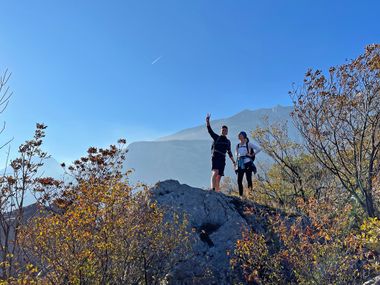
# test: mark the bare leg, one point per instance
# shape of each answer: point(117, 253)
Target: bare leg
point(215, 174)
point(217, 184)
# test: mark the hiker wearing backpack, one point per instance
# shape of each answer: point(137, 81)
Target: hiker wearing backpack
point(220, 147)
point(245, 153)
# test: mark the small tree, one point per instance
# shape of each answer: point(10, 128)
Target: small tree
point(16, 184)
point(103, 231)
point(294, 174)
point(339, 117)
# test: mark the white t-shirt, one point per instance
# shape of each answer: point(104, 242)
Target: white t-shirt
point(241, 150)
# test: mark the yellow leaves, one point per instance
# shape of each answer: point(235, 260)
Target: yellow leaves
point(99, 230)
point(252, 256)
point(103, 225)
point(370, 233)
point(316, 246)
point(373, 55)
point(28, 276)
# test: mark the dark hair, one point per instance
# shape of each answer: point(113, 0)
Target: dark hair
point(244, 134)
point(224, 127)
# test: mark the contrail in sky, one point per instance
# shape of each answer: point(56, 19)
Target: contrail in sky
point(156, 60)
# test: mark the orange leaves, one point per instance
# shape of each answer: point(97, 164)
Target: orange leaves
point(41, 126)
point(373, 55)
point(19, 183)
point(339, 117)
point(100, 231)
point(251, 255)
point(11, 180)
point(48, 181)
point(317, 245)
point(92, 150)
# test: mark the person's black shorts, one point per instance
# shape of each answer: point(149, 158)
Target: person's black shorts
point(218, 163)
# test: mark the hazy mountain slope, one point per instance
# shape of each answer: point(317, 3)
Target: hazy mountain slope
point(51, 168)
point(187, 161)
point(246, 120)
point(186, 155)
point(157, 161)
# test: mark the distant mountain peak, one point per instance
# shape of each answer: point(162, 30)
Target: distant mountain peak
point(245, 111)
point(246, 119)
point(280, 107)
point(263, 111)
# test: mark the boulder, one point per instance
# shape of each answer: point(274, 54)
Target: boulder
point(374, 281)
point(216, 222)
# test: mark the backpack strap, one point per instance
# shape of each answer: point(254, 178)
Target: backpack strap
point(238, 146)
point(214, 144)
point(251, 152)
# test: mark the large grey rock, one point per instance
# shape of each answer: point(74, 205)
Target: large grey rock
point(216, 221)
point(374, 281)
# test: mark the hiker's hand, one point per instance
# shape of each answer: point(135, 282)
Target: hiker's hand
point(208, 118)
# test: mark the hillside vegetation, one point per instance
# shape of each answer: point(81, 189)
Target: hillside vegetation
point(312, 218)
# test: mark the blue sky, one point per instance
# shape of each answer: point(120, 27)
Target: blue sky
point(85, 68)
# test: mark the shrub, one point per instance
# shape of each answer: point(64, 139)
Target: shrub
point(317, 247)
point(101, 232)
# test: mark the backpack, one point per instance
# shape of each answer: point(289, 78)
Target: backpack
point(250, 152)
point(250, 165)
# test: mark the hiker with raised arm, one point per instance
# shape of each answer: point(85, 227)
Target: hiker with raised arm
point(245, 153)
point(220, 147)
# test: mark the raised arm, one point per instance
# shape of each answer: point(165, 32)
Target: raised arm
point(209, 129)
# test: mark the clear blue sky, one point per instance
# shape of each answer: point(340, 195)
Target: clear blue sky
point(85, 68)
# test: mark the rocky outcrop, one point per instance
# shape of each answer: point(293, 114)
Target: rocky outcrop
point(374, 281)
point(216, 222)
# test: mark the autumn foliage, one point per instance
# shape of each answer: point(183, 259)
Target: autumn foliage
point(91, 228)
point(100, 232)
point(321, 246)
point(338, 115)
point(94, 227)
point(326, 188)
point(18, 182)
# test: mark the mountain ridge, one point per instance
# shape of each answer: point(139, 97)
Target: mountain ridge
point(186, 155)
point(257, 115)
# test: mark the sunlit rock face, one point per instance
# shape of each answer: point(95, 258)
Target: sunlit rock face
point(216, 222)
